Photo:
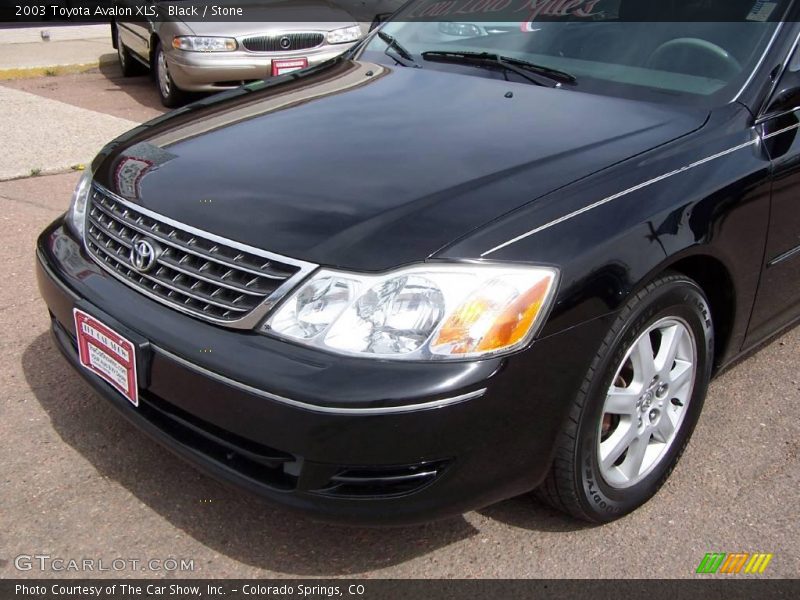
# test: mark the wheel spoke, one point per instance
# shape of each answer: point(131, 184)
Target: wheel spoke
point(680, 375)
point(618, 443)
point(621, 401)
point(665, 428)
point(635, 457)
point(643, 360)
point(671, 338)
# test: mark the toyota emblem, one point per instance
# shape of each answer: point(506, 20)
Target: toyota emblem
point(285, 42)
point(144, 255)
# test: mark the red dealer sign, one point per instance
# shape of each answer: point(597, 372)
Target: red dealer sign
point(107, 354)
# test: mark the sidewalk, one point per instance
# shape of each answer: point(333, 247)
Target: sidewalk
point(40, 136)
point(58, 32)
point(23, 52)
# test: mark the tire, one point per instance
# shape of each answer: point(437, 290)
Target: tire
point(127, 63)
point(633, 419)
point(171, 95)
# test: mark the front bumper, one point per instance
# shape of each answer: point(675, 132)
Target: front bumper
point(215, 71)
point(346, 439)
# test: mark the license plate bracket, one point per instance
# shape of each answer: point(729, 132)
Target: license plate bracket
point(287, 65)
point(113, 353)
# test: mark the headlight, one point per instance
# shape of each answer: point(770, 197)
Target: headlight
point(192, 43)
point(345, 34)
point(76, 216)
point(459, 29)
point(426, 312)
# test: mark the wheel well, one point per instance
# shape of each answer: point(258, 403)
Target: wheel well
point(715, 280)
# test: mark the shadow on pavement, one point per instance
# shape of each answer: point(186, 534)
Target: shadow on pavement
point(526, 512)
point(140, 88)
point(226, 520)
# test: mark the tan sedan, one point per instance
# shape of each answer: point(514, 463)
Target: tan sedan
point(203, 56)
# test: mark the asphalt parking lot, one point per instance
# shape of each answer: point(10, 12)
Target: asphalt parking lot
point(79, 482)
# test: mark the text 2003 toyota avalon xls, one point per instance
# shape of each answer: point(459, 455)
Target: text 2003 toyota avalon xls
point(427, 276)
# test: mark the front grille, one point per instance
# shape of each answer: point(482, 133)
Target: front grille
point(286, 42)
point(196, 274)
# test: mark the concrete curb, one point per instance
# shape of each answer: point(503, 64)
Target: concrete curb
point(53, 70)
point(44, 173)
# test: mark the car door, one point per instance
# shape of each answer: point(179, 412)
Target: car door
point(778, 302)
point(135, 33)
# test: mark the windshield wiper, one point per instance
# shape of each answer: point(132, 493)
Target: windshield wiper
point(534, 73)
point(403, 56)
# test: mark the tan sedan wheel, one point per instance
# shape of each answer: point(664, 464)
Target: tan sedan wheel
point(171, 95)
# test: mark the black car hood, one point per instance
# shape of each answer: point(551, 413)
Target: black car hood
point(363, 166)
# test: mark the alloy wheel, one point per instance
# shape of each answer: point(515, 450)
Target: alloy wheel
point(164, 82)
point(647, 402)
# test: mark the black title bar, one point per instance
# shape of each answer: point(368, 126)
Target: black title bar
point(705, 587)
point(306, 11)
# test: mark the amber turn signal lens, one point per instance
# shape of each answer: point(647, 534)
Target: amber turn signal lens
point(498, 316)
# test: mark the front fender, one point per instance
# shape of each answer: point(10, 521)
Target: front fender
point(704, 194)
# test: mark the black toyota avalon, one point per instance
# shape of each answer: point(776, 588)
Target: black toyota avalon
point(462, 262)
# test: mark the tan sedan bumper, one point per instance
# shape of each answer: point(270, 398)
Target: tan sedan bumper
point(214, 71)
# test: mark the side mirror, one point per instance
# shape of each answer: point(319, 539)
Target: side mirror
point(787, 95)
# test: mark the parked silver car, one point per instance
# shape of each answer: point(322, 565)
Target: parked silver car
point(204, 56)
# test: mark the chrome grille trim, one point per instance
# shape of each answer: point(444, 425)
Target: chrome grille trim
point(174, 288)
point(272, 42)
point(199, 273)
point(212, 281)
point(170, 241)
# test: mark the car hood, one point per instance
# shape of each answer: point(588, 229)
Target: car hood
point(363, 166)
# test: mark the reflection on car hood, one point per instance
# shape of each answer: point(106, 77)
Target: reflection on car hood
point(367, 167)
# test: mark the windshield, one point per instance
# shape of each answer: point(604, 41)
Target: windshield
point(612, 47)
